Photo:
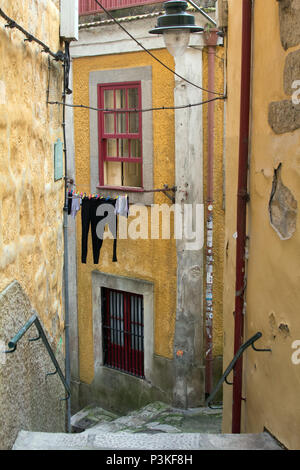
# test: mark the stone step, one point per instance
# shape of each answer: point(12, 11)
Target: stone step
point(27, 440)
point(154, 417)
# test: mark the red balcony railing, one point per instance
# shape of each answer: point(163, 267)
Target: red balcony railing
point(87, 7)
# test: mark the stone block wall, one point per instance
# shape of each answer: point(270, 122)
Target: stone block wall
point(31, 215)
point(29, 399)
point(31, 202)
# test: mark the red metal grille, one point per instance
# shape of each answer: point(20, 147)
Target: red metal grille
point(123, 331)
point(87, 7)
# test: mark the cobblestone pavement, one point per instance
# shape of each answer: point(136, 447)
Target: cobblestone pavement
point(153, 418)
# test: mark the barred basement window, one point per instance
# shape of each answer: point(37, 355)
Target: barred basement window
point(123, 331)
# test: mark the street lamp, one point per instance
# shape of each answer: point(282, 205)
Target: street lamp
point(176, 26)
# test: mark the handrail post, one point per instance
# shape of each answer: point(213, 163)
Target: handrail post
point(14, 341)
point(232, 364)
point(52, 356)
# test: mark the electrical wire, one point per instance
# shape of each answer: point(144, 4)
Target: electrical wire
point(66, 68)
point(29, 37)
point(161, 108)
point(202, 12)
point(152, 55)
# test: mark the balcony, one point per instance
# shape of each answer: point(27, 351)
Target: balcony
point(87, 7)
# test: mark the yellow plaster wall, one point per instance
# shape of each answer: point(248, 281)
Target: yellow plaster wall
point(271, 380)
point(31, 229)
point(219, 215)
point(152, 260)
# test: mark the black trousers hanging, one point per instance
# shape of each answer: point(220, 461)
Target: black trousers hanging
point(89, 218)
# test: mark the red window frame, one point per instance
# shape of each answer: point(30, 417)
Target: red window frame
point(130, 136)
point(123, 331)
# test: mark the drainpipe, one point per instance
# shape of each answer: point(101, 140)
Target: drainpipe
point(242, 196)
point(211, 39)
point(66, 255)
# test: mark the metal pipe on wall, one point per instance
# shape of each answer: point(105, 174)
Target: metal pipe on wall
point(66, 255)
point(211, 40)
point(242, 197)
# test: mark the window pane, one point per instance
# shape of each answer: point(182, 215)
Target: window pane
point(132, 174)
point(136, 317)
point(116, 318)
point(112, 149)
point(109, 99)
point(135, 149)
point(113, 173)
point(133, 123)
point(133, 98)
point(109, 123)
point(123, 148)
point(120, 99)
point(121, 120)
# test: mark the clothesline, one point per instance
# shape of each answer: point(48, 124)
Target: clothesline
point(76, 198)
point(89, 205)
point(76, 194)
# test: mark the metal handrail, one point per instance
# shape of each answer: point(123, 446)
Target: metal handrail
point(243, 347)
point(41, 335)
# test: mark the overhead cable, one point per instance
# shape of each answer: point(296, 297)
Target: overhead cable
point(136, 110)
point(29, 37)
point(202, 12)
point(151, 54)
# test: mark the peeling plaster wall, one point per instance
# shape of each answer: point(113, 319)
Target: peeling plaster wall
point(271, 380)
point(189, 383)
point(31, 225)
point(282, 208)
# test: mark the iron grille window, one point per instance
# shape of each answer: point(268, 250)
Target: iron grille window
point(123, 331)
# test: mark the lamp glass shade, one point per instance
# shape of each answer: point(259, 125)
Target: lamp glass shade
point(176, 40)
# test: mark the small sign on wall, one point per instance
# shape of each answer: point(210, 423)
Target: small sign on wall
point(58, 160)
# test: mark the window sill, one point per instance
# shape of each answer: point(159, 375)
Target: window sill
point(125, 189)
point(136, 195)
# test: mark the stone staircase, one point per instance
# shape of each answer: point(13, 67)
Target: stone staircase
point(154, 427)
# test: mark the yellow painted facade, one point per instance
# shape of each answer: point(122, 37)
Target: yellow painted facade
point(271, 380)
point(151, 260)
point(31, 203)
